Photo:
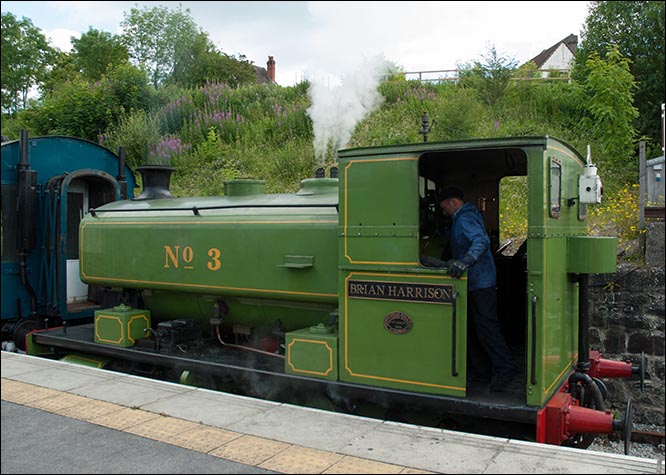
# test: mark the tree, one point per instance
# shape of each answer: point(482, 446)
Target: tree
point(491, 78)
point(203, 63)
point(62, 70)
point(95, 51)
point(610, 104)
point(637, 29)
point(82, 108)
point(156, 37)
point(25, 57)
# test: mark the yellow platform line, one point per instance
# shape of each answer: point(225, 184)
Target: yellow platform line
point(247, 449)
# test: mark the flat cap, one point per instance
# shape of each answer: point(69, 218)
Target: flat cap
point(450, 192)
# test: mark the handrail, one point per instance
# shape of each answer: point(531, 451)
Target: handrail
point(533, 379)
point(196, 209)
point(454, 370)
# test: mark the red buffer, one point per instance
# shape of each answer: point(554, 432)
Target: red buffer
point(603, 368)
point(563, 417)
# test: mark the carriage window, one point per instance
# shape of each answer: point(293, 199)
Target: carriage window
point(555, 187)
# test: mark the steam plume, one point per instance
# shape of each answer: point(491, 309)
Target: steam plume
point(336, 110)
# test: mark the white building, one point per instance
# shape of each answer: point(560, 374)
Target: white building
point(558, 57)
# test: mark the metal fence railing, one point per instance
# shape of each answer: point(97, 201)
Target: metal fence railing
point(452, 75)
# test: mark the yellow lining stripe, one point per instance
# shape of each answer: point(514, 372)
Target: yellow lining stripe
point(110, 317)
point(564, 152)
point(318, 373)
point(197, 223)
point(202, 286)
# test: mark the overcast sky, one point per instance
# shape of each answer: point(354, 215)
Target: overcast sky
point(309, 40)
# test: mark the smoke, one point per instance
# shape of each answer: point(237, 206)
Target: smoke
point(336, 110)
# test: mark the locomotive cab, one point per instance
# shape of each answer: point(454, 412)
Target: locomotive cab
point(390, 219)
point(388, 226)
point(413, 334)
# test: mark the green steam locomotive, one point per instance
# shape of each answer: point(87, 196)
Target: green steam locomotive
point(321, 298)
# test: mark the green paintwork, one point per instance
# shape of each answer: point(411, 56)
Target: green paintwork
point(592, 255)
point(348, 246)
point(313, 352)
point(258, 313)
point(86, 360)
point(190, 378)
point(35, 349)
point(121, 325)
point(379, 242)
point(244, 187)
point(549, 267)
point(420, 359)
point(263, 261)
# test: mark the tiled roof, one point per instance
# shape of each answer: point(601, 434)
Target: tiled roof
point(262, 75)
point(570, 42)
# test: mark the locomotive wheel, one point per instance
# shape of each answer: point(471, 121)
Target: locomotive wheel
point(25, 326)
point(321, 401)
point(190, 378)
point(420, 418)
point(368, 409)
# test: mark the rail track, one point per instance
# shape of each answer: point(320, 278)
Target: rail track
point(647, 437)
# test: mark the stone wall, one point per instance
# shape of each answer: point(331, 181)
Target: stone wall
point(627, 315)
point(654, 243)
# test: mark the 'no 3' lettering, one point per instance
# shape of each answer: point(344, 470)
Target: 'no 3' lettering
point(174, 256)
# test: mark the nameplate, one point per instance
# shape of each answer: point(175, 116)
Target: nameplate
point(400, 291)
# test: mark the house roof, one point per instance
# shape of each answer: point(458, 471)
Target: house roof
point(262, 75)
point(570, 42)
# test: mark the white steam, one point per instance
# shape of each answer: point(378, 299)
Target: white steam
point(336, 110)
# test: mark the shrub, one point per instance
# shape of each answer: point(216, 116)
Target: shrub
point(618, 216)
point(137, 132)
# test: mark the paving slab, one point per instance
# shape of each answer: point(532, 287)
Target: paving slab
point(314, 428)
point(210, 407)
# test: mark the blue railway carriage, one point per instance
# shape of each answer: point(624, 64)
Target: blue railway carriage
point(48, 185)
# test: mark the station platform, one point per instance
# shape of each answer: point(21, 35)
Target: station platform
point(201, 430)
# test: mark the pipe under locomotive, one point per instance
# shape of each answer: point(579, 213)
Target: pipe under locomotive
point(320, 298)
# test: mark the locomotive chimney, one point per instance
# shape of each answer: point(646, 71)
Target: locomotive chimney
point(270, 67)
point(156, 179)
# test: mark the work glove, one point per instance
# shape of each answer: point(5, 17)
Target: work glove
point(459, 266)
